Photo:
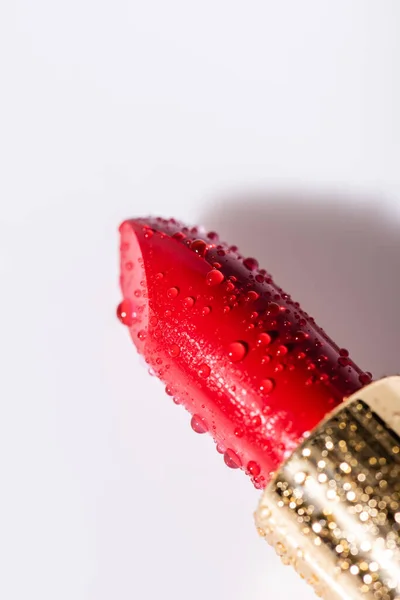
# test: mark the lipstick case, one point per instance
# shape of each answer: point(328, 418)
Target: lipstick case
point(332, 511)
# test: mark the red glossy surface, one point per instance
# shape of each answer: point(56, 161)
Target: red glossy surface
point(253, 368)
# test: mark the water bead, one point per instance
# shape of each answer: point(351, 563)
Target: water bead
point(206, 311)
point(198, 424)
point(214, 277)
point(343, 361)
point(125, 312)
point(273, 309)
point(253, 468)
point(237, 351)
point(252, 296)
point(365, 378)
point(221, 449)
point(281, 351)
point(264, 339)
point(174, 351)
point(213, 236)
point(232, 460)
point(251, 264)
point(267, 386)
point(179, 236)
point(204, 371)
point(199, 246)
point(172, 292)
point(188, 302)
point(142, 335)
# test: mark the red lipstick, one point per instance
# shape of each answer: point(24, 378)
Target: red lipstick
point(230, 344)
point(264, 380)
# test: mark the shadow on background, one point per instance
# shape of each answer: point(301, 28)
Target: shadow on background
point(340, 259)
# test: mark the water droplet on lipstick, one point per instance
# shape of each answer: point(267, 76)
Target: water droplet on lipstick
point(253, 468)
point(281, 351)
point(232, 460)
point(264, 339)
point(273, 309)
point(266, 359)
point(213, 236)
point(125, 312)
point(199, 246)
point(204, 371)
point(343, 361)
point(237, 351)
point(178, 235)
point(198, 424)
point(365, 378)
point(206, 311)
point(174, 351)
point(172, 292)
point(142, 335)
point(214, 277)
point(188, 302)
point(266, 386)
point(252, 296)
point(251, 264)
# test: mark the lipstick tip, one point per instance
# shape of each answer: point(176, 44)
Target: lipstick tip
point(251, 367)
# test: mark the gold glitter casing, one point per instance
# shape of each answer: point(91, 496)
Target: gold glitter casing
point(333, 509)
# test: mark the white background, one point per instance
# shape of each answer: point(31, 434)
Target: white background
point(277, 123)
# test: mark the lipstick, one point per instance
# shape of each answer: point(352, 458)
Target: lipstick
point(280, 399)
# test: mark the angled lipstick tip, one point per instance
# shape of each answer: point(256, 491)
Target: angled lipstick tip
point(252, 368)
